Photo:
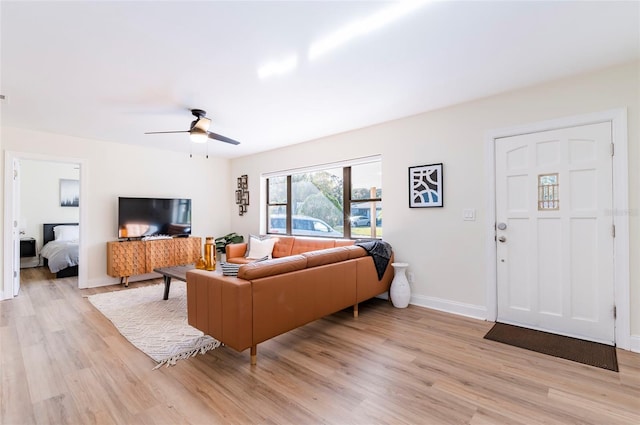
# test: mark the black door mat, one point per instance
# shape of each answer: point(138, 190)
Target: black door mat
point(577, 350)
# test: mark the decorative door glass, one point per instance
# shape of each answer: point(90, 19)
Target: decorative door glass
point(548, 197)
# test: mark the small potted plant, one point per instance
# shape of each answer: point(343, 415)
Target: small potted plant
point(223, 241)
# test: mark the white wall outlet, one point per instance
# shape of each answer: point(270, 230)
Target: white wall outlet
point(410, 277)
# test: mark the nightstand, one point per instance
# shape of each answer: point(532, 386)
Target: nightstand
point(27, 247)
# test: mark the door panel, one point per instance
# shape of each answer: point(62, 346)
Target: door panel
point(555, 256)
point(550, 271)
point(15, 228)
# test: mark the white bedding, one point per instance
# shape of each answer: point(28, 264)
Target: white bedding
point(60, 254)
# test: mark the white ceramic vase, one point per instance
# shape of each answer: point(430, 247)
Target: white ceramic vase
point(400, 291)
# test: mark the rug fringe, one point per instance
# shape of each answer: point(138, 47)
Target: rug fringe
point(189, 353)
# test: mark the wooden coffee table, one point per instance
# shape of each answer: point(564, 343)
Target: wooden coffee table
point(176, 272)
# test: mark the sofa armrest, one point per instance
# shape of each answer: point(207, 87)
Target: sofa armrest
point(234, 250)
point(220, 306)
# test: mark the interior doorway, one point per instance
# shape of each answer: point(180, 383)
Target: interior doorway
point(16, 224)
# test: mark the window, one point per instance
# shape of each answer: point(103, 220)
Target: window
point(366, 200)
point(312, 202)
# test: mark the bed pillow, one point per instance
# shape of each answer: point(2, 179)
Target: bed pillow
point(260, 246)
point(66, 233)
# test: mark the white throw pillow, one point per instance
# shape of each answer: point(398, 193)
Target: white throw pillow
point(66, 233)
point(253, 238)
point(259, 248)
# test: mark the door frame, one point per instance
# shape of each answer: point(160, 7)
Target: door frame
point(622, 296)
point(6, 291)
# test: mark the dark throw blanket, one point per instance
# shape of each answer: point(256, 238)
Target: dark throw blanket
point(380, 251)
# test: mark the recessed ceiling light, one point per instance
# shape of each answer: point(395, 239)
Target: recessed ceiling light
point(363, 26)
point(280, 67)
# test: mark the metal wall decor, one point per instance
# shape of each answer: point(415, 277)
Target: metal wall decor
point(242, 194)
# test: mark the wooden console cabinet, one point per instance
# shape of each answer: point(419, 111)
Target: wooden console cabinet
point(129, 258)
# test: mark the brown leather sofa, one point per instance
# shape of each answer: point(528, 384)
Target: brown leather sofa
point(284, 247)
point(272, 297)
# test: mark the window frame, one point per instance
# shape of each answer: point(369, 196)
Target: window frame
point(346, 195)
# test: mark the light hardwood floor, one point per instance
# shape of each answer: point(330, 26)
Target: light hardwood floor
point(62, 362)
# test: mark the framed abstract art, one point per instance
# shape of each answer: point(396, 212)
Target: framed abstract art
point(425, 186)
point(69, 193)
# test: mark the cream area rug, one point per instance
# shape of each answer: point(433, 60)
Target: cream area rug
point(156, 327)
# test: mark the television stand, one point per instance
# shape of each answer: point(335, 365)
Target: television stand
point(130, 258)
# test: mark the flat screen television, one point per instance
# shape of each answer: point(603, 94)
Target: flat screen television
point(140, 217)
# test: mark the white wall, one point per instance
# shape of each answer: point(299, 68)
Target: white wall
point(447, 254)
point(40, 196)
point(111, 170)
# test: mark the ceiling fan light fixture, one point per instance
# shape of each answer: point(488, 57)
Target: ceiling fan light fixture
point(202, 124)
point(198, 136)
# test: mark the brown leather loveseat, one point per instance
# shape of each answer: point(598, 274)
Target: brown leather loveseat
point(272, 297)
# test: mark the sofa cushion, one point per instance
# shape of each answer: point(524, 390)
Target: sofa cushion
point(260, 246)
point(252, 271)
point(282, 248)
point(239, 260)
point(326, 256)
point(301, 245)
point(234, 250)
point(355, 251)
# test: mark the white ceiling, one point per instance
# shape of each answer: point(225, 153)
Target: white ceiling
point(114, 70)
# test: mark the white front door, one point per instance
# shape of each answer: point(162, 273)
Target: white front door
point(554, 231)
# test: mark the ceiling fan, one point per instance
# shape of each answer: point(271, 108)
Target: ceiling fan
point(199, 130)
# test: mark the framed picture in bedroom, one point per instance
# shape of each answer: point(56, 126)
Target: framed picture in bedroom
point(69, 193)
point(426, 186)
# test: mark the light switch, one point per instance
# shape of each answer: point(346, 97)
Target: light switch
point(469, 214)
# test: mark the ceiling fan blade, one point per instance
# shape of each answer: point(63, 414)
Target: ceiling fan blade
point(222, 138)
point(165, 132)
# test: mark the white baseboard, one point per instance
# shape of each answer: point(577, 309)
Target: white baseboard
point(106, 281)
point(634, 343)
point(448, 306)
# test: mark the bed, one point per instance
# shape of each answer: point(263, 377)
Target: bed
point(60, 248)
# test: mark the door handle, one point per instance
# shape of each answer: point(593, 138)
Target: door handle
point(502, 239)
